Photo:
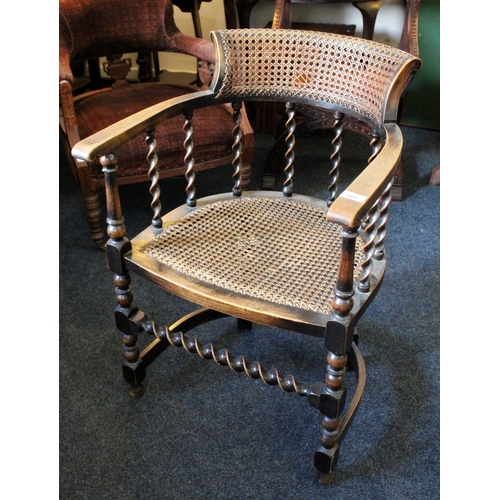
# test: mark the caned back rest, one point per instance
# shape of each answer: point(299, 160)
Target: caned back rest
point(95, 28)
point(357, 76)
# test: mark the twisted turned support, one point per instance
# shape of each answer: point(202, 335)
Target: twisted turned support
point(383, 207)
point(154, 188)
point(369, 231)
point(383, 204)
point(338, 127)
point(376, 144)
point(373, 226)
point(237, 148)
point(175, 335)
point(127, 316)
point(189, 160)
point(224, 358)
point(290, 144)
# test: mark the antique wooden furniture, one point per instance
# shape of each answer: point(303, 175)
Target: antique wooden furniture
point(282, 13)
point(105, 28)
point(317, 119)
point(277, 258)
point(265, 113)
point(193, 7)
point(151, 61)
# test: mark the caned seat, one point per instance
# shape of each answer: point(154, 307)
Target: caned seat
point(283, 271)
point(282, 259)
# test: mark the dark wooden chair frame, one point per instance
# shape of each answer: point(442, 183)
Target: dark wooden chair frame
point(360, 210)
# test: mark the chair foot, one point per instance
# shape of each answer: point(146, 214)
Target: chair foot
point(325, 478)
point(136, 390)
point(135, 374)
point(325, 461)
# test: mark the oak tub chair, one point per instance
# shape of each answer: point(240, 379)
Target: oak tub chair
point(281, 259)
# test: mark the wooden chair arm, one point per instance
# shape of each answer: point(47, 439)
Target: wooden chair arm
point(108, 139)
point(198, 47)
point(358, 198)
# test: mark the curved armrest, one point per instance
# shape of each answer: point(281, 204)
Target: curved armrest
point(358, 198)
point(109, 138)
point(197, 47)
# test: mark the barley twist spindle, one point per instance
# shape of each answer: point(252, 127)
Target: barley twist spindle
point(375, 144)
point(238, 364)
point(237, 148)
point(189, 160)
point(384, 204)
point(335, 156)
point(369, 235)
point(154, 188)
point(289, 154)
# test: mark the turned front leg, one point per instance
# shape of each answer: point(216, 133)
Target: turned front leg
point(339, 335)
point(127, 316)
point(333, 396)
point(129, 320)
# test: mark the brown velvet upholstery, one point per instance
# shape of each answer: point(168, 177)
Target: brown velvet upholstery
point(90, 29)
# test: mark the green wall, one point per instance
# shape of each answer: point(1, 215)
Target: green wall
point(422, 99)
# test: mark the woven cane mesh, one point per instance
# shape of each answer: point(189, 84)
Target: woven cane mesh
point(348, 71)
point(238, 245)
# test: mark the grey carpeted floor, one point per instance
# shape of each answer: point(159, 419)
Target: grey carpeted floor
point(204, 432)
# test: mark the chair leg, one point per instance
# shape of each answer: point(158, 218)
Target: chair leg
point(397, 186)
point(244, 324)
point(246, 176)
point(129, 320)
point(335, 428)
point(338, 339)
point(369, 11)
point(332, 401)
point(93, 214)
